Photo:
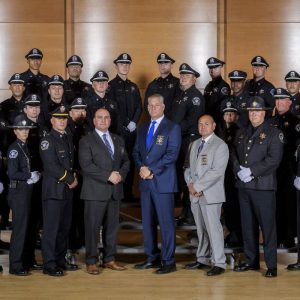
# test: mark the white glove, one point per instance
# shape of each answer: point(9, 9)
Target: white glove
point(244, 173)
point(248, 179)
point(297, 183)
point(35, 176)
point(29, 181)
point(131, 126)
point(1, 187)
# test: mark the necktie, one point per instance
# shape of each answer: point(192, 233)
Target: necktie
point(107, 144)
point(200, 147)
point(150, 135)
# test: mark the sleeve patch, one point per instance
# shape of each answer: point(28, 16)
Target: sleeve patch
point(13, 154)
point(44, 145)
point(196, 101)
point(224, 91)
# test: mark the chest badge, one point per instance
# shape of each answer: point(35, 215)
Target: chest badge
point(160, 140)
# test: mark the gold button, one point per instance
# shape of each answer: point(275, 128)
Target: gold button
point(246, 162)
point(246, 154)
point(250, 141)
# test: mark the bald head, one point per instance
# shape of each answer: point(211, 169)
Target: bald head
point(206, 125)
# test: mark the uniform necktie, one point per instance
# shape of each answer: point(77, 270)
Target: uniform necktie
point(200, 147)
point(150, 135)
point(108, 146)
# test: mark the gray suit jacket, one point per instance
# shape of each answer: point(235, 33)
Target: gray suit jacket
point(207, 171)
point(97, 165)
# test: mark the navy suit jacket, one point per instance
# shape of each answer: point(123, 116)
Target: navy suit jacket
point(161, 156)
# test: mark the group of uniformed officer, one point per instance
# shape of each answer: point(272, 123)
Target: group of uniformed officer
point(59, 112)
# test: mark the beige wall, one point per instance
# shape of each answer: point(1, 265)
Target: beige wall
point(190, 31)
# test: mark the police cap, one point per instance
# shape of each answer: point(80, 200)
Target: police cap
point(164, 58)
point(214, 62)
point(259, 61)
point(292, 76)
point(228, 106)
point(78, 103)
point(34, 54)
point(100, 76)
point(33, 100)
point(257, 103)
point(16, 78)
point(237, 75)
point(21, 122)
point(186, 69)
point(123, 58)
point(56, 80)
point(74, 60)
point(60, 112)
point(281, 93)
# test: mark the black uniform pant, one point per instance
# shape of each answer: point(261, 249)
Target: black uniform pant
point(19, 199)
point(258, 209)
point(57, 222)
point(97, 214)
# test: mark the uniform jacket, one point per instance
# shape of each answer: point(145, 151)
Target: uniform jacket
point(97, 165)
point(208, 170)
point(160, 157)
point(74, 89)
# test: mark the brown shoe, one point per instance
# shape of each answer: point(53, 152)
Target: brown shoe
point(114, 266)
point(92, 269)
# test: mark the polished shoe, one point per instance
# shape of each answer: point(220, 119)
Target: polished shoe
point(271, 273)
point(114, 266)
point(20, 272)
point(54, 271)
point(148, 265)
point(215, 271)
point(92, 269)
point(195, 265)
point(294, 267)
point(69, 267)
point(34, 266)
point(165, 269)
point(245, 267)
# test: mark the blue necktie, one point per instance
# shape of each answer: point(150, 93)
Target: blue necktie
point(200, 147)
point(107, 144)
point(150, 135)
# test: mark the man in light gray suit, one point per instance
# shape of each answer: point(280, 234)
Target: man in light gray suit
point(105, 164)
point(205, 180)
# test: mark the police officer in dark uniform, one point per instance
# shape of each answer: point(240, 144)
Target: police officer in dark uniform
point(188, 106)
point(22, 178)
point(256, 156)
point(74, 86)
point(166, 84)
point(78, 127)
point(127, 96)
point(227, 131)
point(292, 81)
point(216, 90)
point(258, 85)
point(57, 153)
point(35, 81)
point(287, 122)
point(54, 98)
point(100, 98)
point(239, 96)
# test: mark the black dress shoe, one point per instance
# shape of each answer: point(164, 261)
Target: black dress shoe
point(34, 266)
point(294, 267)
point(165, 269)
point(20, 272)
point(195, 265)
point(54, 271)
point(148, 265)
point(215, 271)
point(69, 267)
point(271, 273)
point(245, 267)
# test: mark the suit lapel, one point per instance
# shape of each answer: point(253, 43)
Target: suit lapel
point(101, 143)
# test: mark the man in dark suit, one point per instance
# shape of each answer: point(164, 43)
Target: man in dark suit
point(155, 154)
point(105, 164)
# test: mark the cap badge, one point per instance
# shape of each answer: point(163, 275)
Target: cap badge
point(293, 74)
point(74, 58)
point(228, 104)
point(56, 78)
point(79, 101)
point(258, 59)
point(33, 97)
point(34, 51)
point(163, 56)
point(100, 74)
point(23, 122)
point(211, 60)
point(254, 104)
point(125, 56)
point(236, 73)
point(17, 76)
point(279, 91)
point(183, 66)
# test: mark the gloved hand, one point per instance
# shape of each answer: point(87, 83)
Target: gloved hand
point(244, 173)
point(248, 179)
point(35, 176)
point(297, 183)
point(1, 187)
point(30, 181)
point(131, 126)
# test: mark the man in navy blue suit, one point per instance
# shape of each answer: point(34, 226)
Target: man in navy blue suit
point(155, 154)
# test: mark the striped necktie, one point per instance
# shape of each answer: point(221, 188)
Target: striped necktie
point(108, 146)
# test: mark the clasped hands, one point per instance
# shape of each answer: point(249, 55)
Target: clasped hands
point(115, 177)
point(145, 173)
point(193, 192)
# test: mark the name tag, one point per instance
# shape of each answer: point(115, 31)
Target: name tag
point(203, 159)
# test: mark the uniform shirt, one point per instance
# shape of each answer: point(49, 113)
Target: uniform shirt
point(127, 96)
point(295, 107)
point(214, 93)
point(35, 84)
point(168, 87)
point(187, 108)
point(74, 89)
point(18, 161)
point(94, 102)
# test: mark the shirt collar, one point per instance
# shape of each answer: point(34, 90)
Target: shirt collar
point(158, 120)
point(208, 138)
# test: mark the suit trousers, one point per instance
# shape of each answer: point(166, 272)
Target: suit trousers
point(258, 209)
point(97, 214)
point(157, 209)
point(210, 233)
point(57, 222)
point(19, 199)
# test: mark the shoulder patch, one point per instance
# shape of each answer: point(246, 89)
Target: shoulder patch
point(13, 153)
point(281, 137)
point(297, 127)
point(196, 101)
point(224, 90)
point(44, 145)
